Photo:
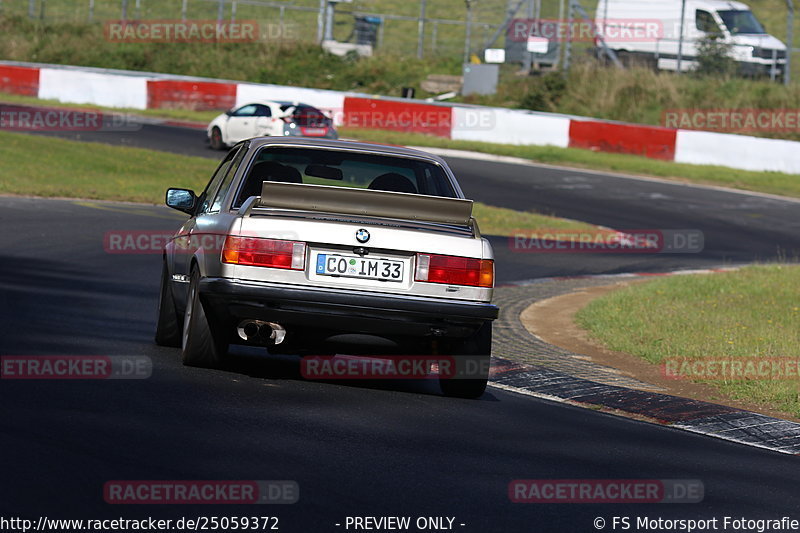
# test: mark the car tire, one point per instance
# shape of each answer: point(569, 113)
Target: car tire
point(215, 139)
point(472, 357)
point(203, 344)
point(168, 326)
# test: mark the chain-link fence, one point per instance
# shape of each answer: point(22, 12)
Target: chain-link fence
point(421, 28)
point(416, 27)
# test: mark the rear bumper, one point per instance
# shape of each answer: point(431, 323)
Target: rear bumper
point(345, 311)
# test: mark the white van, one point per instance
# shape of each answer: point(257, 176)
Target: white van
point(656, 25)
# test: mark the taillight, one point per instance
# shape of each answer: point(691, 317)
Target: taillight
point(271, 253)
point(454, 270)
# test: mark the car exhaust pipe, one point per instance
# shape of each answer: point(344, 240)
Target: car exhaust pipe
point(260, 331)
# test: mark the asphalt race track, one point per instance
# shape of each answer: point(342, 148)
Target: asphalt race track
point(385, 449)
point(738, 228)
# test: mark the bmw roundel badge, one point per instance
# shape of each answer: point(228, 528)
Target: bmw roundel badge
point(362, 236)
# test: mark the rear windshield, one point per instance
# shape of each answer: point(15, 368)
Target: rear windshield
point(305, 115)
point(343, 169)
point(741, 22)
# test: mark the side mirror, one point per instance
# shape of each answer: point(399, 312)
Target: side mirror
point(181, 199)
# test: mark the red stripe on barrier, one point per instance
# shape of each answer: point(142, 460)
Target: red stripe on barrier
point(397, 116)
point(648, 141)
point(195, 95)
point(19, 80)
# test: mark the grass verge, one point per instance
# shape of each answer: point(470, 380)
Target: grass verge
point(44, 166)
point(749, 317)
point(768, 182)
point(589, 89)
point(170, 114)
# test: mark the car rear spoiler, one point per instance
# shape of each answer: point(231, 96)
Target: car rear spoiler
point(365, 202)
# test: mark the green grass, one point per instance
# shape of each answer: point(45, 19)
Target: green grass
point(102, 172)
point(769, 182)
point(297, 63)
point(43, 166)
point(397, 35)
point(501, 221)
point(171, 114)
point(635, 95)
point(748, 314)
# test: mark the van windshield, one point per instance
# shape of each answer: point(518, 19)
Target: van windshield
point(741, 22)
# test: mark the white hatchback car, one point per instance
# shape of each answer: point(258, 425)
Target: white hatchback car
point(269, 118)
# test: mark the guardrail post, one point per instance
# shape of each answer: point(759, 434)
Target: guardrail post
point(680, 37)
point(568, 46)
point(321, 21)
point(528, 57)
point(421, 29)
point(787, 72)
point(468, 30)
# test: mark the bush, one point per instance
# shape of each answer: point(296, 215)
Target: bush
point(546, 93)
point(714, 57)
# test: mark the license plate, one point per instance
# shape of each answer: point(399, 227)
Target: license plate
point(314, 131)
point(359, 267)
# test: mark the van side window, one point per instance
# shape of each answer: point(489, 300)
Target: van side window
point(705, 22)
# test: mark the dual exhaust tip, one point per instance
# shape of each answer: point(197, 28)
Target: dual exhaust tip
point(259, 331)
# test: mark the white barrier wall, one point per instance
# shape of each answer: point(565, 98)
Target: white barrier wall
point(75, 86)
point(508, 126)
point(737, 151)
point(494, 125)
point(328, 101)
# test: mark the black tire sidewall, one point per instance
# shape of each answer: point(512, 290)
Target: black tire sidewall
point(168, 326)
point(200, 342)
